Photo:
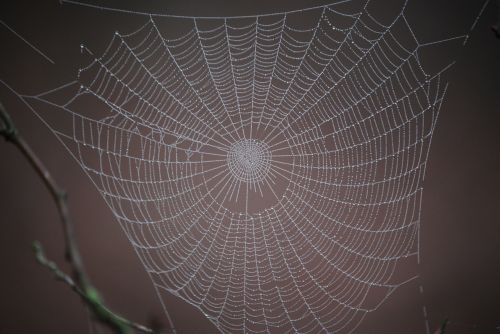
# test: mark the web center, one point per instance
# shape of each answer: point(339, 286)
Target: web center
point(249, 160)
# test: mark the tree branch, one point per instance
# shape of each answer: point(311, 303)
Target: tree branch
point(11, 134)
point(91, 297)
point(80, 282)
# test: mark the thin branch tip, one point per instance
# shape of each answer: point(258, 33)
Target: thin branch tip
point(80, 283)
point(8, 130)
point(496, 31)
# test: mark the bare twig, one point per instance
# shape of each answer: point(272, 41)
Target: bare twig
point(11, 134)
point(80, 282)
point(104, 315)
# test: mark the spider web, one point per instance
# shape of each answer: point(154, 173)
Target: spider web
point(267, 173)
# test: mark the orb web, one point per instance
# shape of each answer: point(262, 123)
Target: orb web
point(248, 160)
point(267, 170)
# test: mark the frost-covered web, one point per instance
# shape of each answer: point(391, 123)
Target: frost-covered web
point(267, 171)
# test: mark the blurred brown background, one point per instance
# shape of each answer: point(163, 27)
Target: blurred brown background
point(460, 239)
